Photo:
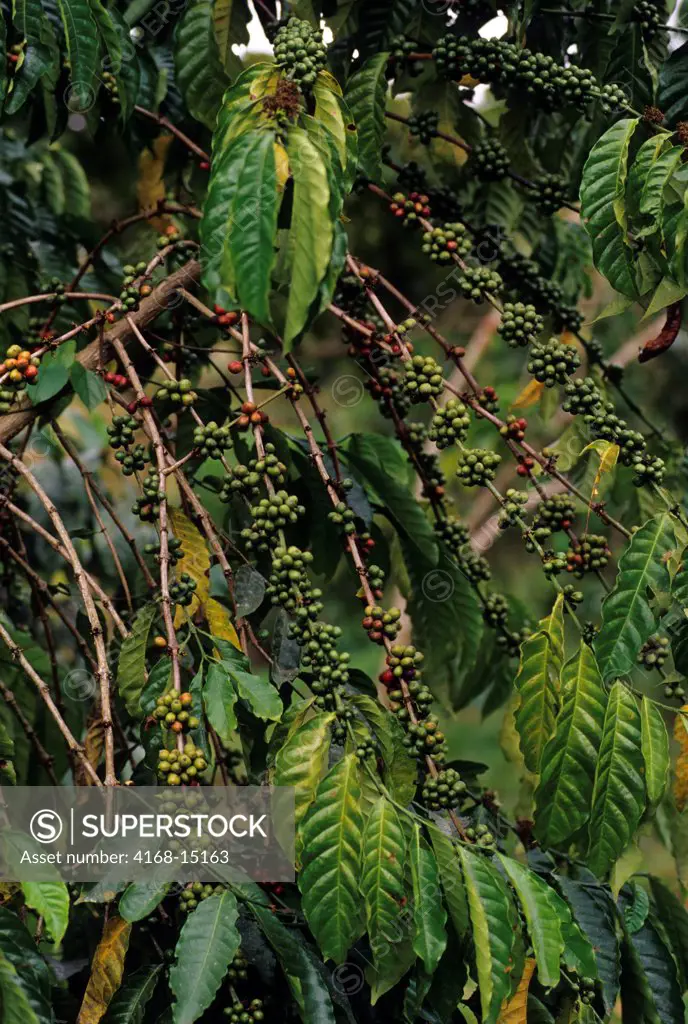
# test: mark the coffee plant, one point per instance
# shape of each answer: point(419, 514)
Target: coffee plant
point(322, 452)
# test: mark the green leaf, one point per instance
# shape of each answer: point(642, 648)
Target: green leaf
point(230, 23)
point(537, 684)
point(81, 34)
point(679, 584)
point(635, 910)
point(131, 667)
point(128, 74)
point(374, 457)
point(640, 169)
point(130, 1001)
point(655, 747)
point(578, 954)
point(400, 769)
point(140, 899)
point(33, 973)
point(618, 799)
point(452, 880)
point(219, 698)
point(41, 57)
point(302, 969)
point(88, 386)
point(259, 693)
point(75, 184)
point(16, 1008)
point(382, 879)
point(429, 915)
point(53, 373)
point(159, 682)
point(51, 901)
point(672, 86)
point(603, 207)
point(311, 234)
point(674, 917)
point(199, 72)
point(365, 96)
point(627, 618)
point(542, 917)
point(650, 987)
point(335, 117)
point(207, 944)
point(654, 188)
point(250, 245)
point(564, 793)
point(302, 760)
point(332, 841)
point(489, 909)
point(665, 294)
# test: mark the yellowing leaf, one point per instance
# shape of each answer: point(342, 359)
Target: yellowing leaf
point(469, 81)
point(514, 1011)
point(529, 396)
point(220, 623)
point(681, 770)
point(94, 744)
point(195, 562)
point(150, 186)
point(281, 166)
point(107, 969)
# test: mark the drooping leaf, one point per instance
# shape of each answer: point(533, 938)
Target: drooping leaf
point(602, 205)
point(140, 898)
point(81, 34)
point(302, 759)
point(452, 880)
point(129, 1003)
point(544, 926)
point(207, 944)
point(220, 623)
point(51, 901)
point(311, 233)
point(219, 699)
point(199, 71)
point(488, 903)
point(365, 97)
point(594, 914)
point(41, 58)
point(258, 692)
point(618, 799)
point(195, 561)
point(515, 1011)
point(88, 386)
point(107, 968)
point(655, 746)
point(674, 918)
point(672, 93)
point(34, 976)
point(230, 23)
point(429, 915)
point(131, 667)
point(649, 980)
point(16, 1008)
point(537, 684)
point(627, 617)
point(564, 794)
point(382, 879)
point(332, 833)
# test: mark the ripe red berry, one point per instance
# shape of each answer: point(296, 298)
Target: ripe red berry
point(204, 165)
point(146, 402)
point(236, 366)
point(132, 407)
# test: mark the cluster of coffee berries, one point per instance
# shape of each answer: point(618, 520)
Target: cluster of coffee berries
point(193, 894)
point(116, 380)
point(572, 597)
point(477, 466)
point(591, 554)
point(238, 1013)
point(182, 590)
point(238, 969)
point(490, 159)
point(323, 666)
point(132, 460)
point(251, 416)
point(212, 440)
point(381, 625)
point(520, 324)
point(454, 534)
point(147, 506)
point(21, 368)
point(450, 424)
point(514, 428)
point(132, 292)
point(537, 75)
point(423, 378)
point(443, 243)
point(424, 125)
point(180, 392)
point(172, 710)
point(654, 652)
point(530, 285)
point(121, 431)
point(479, 283)
point(674, 689)
point(241, 479)
point(553, 514)
point(589, 633)
point(299, 48)
point(175, 552)
point(343, 516)
point(422, 737)
point(386, 388)
point(650, 16)
point(289, 584)
point(581, 397)
point(376, 580)
point(496, 611)
point(512, 508)
point(482, 837)
point(444, 792)
point(177, 769)
point(366, 747)
point(270, 516)
point(110, 83)
point(552, 192)
point(553, 362)
point(426, 463)
point(409, 208)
